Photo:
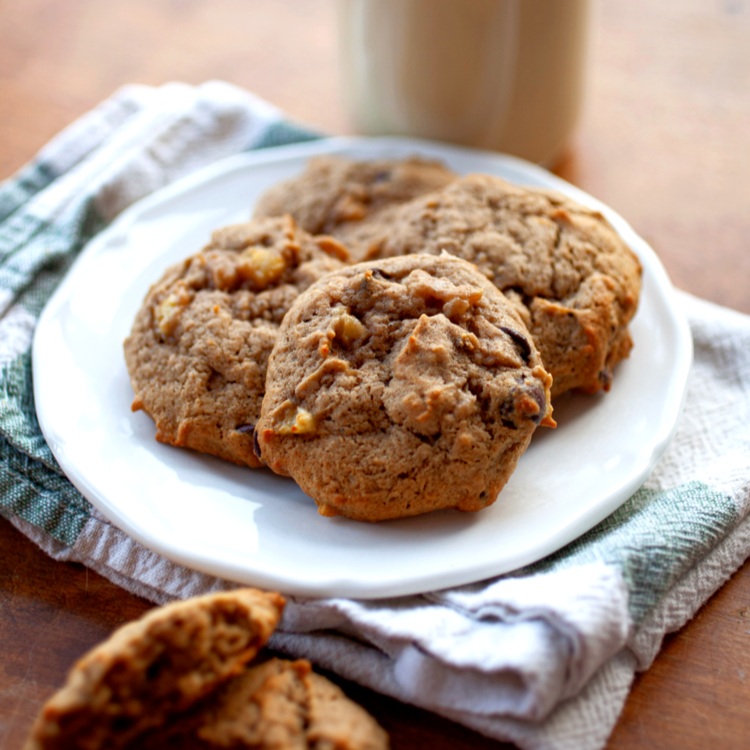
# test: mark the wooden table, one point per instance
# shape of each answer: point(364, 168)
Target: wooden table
point(665, 140)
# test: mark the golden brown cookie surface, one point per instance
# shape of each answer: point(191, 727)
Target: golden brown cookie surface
point(154, 668)
point(334, 195)
point(574, 280)
point(402, 386)
point(200, 343)
point(278, 704)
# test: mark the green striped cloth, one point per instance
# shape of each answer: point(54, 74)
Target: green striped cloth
point(544, 657)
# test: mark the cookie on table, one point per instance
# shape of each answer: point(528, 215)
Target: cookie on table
point(402, 386)
point(154, 668)
point(575, 281)
point(199, 346)
point(275, 704)
point(334, 194)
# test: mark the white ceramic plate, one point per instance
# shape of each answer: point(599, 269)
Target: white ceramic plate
point(260, 529)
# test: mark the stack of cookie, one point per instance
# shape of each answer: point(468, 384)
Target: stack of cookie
point(188, 676)
point(387, 333)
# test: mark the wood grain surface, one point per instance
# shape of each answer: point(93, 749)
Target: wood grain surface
point(664, 140)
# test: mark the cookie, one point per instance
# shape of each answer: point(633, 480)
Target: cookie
point(575, 281)
point(337, 722)
point(399, 387)
point(154, 668)
point(334, 194)
point(275, 704)
point(199, 346)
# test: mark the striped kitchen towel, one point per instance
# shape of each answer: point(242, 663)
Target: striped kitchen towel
point(543, 657)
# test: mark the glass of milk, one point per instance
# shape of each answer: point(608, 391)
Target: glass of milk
point(504, 75)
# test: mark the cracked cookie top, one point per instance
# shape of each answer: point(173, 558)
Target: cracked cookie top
point(200, 343)
point(334, 195)
point(574, 280)
point(401, 386)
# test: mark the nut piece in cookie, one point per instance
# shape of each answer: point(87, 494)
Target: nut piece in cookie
point(574, 280)
point(400, 387)
point(154, 668)
point(335, 195)
point(199, 346)
point(274, 704)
